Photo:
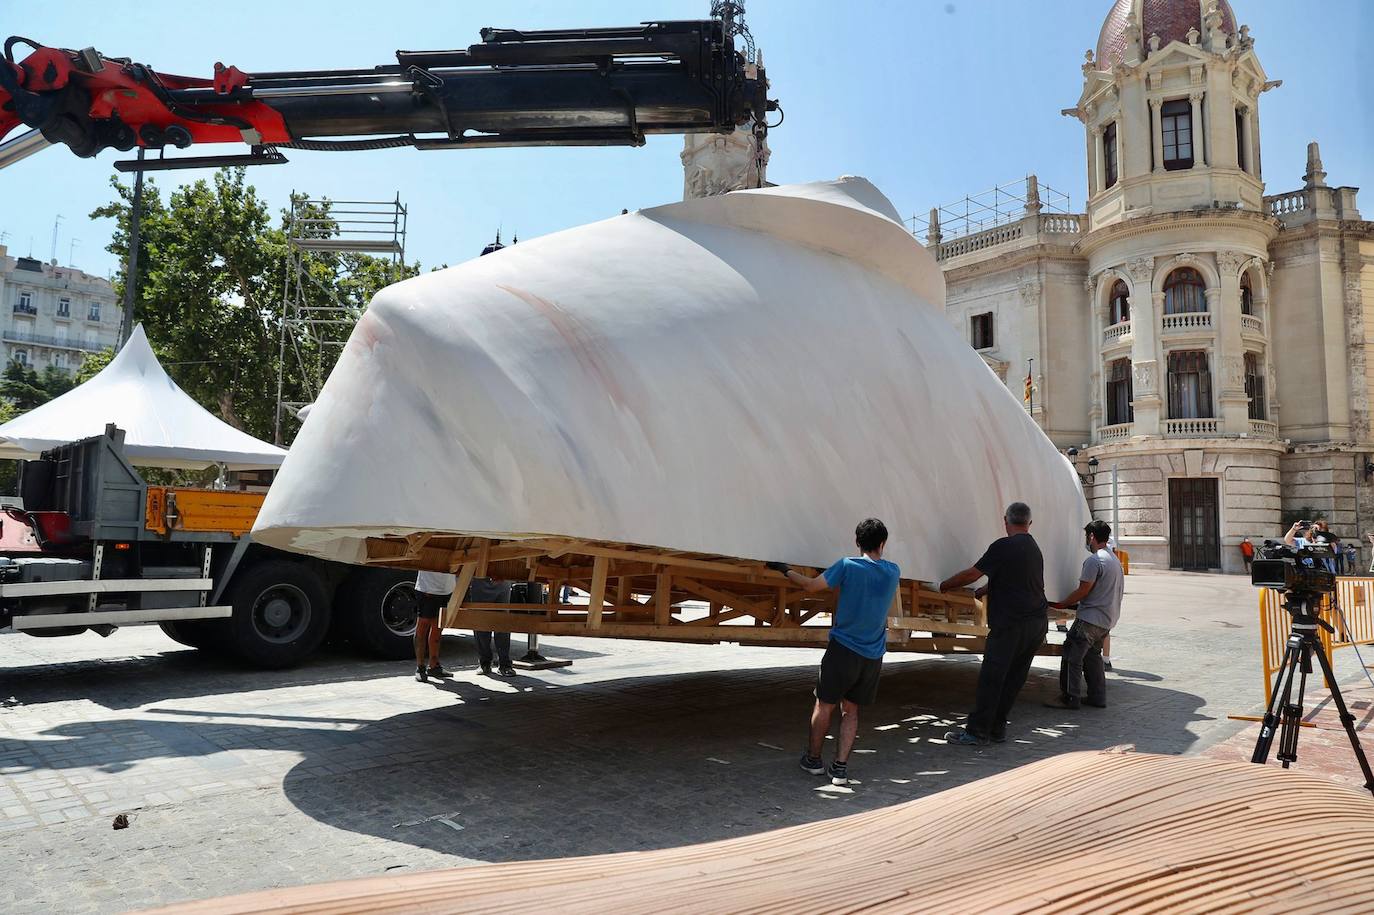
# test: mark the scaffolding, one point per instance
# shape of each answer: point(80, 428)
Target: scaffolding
point(1005, 203)
point(315, 321)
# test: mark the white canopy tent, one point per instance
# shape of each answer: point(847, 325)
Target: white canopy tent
point(163, 426)
point(746, 375)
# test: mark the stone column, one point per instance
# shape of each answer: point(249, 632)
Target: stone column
point(1099, 162)
point(1157, 132)
point(1095, 325)
point(1247, 140)
point(1145, 383)
point(1233, 407)
point(1199, 132)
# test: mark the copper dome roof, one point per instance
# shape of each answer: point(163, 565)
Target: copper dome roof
point(1169, 19)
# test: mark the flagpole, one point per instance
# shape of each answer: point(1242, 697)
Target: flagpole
point(1030, 385)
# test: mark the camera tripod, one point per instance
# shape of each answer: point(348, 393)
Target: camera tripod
point(1284, 716)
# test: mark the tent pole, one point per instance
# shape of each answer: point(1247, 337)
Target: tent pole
point(126, 326)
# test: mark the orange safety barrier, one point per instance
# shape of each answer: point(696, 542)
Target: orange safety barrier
point(1354, 625)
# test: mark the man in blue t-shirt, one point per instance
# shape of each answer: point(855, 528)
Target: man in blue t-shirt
point(858, 637)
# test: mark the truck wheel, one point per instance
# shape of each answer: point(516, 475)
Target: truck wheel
point(379, 610)
point(206, 635)
point(281, 613)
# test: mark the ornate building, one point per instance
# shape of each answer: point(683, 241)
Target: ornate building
point(55, 315)
point(1206, 340)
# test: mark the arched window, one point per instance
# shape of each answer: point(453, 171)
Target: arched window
point(1184, 292)
point(1247, 298)
point(1120, 302)
point(1119, 392)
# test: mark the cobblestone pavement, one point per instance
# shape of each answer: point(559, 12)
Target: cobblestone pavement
point(236, 780)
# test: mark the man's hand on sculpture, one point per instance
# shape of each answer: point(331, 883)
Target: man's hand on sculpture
point(780, 567)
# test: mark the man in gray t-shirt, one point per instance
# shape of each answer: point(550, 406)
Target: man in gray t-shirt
point(1098, 597)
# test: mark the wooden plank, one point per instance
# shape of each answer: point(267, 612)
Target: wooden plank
point(663, 599)
point(754, 608)
point(598, 591)
point(460, 590)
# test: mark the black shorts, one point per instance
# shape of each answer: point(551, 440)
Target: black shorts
point(431, 604)
point(848, 675)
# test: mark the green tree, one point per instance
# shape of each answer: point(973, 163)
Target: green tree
point(24, 388)
point(93, 365)
point(210, 288)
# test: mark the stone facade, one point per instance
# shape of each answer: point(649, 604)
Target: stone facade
point(54, 316)
point(1205, 340)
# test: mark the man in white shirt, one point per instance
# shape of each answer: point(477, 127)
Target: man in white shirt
point(433, 590)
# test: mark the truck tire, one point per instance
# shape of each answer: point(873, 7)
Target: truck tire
point(206, 635)
point(378, 610)
point(281, 613)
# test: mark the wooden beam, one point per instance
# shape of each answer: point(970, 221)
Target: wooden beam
point(716, 595)
point(598, 592)
point(460, 590)
point(663, 599)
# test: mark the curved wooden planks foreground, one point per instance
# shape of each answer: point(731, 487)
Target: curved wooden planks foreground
point(1082, 832)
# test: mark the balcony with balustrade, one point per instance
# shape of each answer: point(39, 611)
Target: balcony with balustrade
point(1264, 431)
point(1192, 428)
point(1012, 215)
point(1119, 432)
point(1118, 334)
point(1188, 322)
point(1252, 326)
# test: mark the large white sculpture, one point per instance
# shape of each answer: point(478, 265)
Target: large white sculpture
point(746, 375)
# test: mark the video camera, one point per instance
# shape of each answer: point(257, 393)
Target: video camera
point(1301, 570)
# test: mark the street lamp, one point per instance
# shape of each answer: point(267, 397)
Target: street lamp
point(1085, 478)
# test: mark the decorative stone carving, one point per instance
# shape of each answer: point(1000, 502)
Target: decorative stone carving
point(1193, 36)
point(1090, 284)
point(1145, 374)
point(1232, 372)
point(1230, 262)
point(1030, 292)
point(716, 164)
point(1089, 65)
point(1186, 259)
point(1154, 42)
point(1140, 269)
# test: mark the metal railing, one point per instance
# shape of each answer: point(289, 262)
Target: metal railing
point(1116, 332)
point(1354, 625)
point(21, 309)
point(1188, 320)
point(19, 336)
point(1191, 428)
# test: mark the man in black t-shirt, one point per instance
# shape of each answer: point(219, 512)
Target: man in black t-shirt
point(1017, 619)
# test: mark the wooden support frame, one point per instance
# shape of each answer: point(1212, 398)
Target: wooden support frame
point(640, 592)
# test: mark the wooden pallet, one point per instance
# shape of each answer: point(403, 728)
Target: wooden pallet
point(1086, 832)
point(643, 593)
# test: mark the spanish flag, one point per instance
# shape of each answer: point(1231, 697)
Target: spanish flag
point(1030, 386)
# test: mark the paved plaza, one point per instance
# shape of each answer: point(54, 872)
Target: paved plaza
point(236, 780)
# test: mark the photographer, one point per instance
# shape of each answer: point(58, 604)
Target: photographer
point(1098, 596)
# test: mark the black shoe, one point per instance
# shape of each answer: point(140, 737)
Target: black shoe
point(1095, 704)
point(420, 674)
point(507, 670)
point(812, 764)
point(486, 668)
point(839, 773)
point(437, 670)
point(998, 736)
point(1065, 702)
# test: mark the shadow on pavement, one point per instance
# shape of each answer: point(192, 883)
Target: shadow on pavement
point(133, 681)
point(660, 762)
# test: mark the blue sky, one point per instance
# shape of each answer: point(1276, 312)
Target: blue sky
point(930, 99)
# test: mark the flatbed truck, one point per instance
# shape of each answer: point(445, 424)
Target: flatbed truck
point(95, 547)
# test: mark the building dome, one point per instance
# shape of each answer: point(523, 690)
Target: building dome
point(1169, 19)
